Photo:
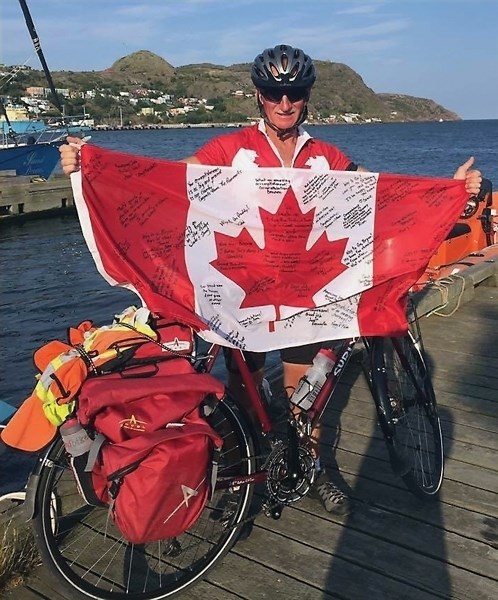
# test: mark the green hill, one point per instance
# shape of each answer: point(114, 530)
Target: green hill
point(338, 89)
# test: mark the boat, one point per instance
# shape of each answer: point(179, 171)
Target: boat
point(28, 153)
point(473, 240)
point(29, 146)
point(36, 159)
point(16, 118)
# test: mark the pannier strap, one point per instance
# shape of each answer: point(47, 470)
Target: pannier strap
point(94, 451)
point(164, 347)
point(214, 469)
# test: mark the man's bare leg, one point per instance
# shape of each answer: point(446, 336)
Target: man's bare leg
point(331, 497)
point(292, 374)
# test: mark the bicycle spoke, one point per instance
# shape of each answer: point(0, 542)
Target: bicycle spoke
point(403, 389)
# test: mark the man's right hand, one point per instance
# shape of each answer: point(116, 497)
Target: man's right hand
point(70, 154)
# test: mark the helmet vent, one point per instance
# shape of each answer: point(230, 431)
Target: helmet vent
point(294, 72)
point(274, 71)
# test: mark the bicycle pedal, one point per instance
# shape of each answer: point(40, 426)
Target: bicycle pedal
point(273, 511)
point(173, 548)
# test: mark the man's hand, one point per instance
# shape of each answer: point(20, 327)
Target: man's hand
point(472, 177)
point(70, 154)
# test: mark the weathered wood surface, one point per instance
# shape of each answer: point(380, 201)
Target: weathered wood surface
point(25, 197)
point(393, 546)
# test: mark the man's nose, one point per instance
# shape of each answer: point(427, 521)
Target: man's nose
point(285, 103)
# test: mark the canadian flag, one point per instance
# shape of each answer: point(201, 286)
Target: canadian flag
point(262, 259)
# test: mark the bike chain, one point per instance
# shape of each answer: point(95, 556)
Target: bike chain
point(269, 504)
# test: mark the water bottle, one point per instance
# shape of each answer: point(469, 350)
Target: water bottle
point(312, 381)
point(76, 439)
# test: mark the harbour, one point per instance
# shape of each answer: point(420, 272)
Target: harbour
point(425, 149)
point(392, 546)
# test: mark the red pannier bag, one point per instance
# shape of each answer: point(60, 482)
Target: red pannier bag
point(154, 455)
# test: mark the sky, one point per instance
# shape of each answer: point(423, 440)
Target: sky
point(446, 50)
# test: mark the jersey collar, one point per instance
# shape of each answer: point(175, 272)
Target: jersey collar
point(302, 137)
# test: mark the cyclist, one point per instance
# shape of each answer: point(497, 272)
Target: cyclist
point(283, 77)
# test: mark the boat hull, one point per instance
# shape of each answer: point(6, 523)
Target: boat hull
point(37, 159)
point(472, 240)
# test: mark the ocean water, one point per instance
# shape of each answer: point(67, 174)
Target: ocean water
point(48, 279)
point(433, 149)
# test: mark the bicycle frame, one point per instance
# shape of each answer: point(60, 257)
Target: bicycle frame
point(302, 423)
point(307, 420)
point(256, 403)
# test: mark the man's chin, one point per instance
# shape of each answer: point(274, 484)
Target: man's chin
point(286, 123)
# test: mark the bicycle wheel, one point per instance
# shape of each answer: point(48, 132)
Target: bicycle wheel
point(408, 413)
point(82, 547)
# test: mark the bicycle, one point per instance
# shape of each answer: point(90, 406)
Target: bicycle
point(85, 551)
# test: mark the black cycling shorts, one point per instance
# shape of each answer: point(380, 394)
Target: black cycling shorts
point(298, 355)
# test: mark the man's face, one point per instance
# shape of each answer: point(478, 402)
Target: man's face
point(283, 107)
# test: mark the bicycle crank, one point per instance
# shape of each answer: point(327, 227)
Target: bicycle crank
point(283, 486)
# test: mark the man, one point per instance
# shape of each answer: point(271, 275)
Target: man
point(283, 77)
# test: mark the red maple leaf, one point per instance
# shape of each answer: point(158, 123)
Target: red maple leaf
point(283, 272)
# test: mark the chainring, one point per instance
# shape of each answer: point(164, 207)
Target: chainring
point(282, 488)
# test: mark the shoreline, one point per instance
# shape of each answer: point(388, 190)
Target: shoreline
point(237, 125)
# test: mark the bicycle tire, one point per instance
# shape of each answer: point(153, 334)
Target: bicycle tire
point(82, 547)
point(408, 414)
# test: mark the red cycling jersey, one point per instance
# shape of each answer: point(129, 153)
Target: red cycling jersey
point(251, 147)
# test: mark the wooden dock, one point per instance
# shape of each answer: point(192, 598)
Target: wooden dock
point(25, 197)
point(393, 546)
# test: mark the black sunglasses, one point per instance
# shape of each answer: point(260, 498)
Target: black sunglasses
point(293, 94)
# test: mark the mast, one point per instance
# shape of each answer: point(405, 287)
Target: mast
point(37, 45)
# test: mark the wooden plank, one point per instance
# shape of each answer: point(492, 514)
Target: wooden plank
point(359, 414)
point(358, 470)
point(473, 449)
point(467, 521)
point(419, 569)
point(366, 439)
point(26, 197)
point(310, 560)
point(25, 593)
point(467, 473)
point(10, 179)
point(472, 428)
point(456, 292)
point(40, 586)
point(244, 574)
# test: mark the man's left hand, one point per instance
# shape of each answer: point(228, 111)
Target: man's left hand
point(472, 177)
